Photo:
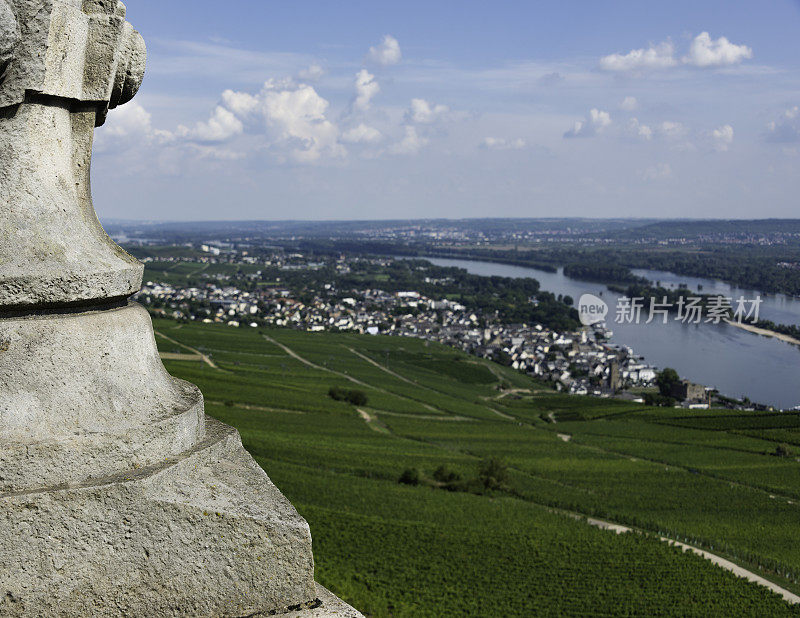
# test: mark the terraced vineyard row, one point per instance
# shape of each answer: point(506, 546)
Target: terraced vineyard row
point(399, 550)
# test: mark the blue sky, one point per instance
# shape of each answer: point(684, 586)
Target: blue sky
point(343, 110)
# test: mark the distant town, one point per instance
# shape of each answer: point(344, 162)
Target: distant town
point(246, 288)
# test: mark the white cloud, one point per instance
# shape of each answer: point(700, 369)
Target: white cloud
point(220, 127)
point(591, 126)
point(204, 151)
point(242, 104)
point(312, 74)
point(671, 130)
point(423, 112)
point(660, 171)
point(362, 134)
point(130, 126)
point(127, 127)
point(128, 121)
point(297, 119)
point(786, 129)
point(366, 89)
point(630, 104)
point(287, 119)
point(660, 56)
point(499, 143)
point(705, 52)
point(386, 54)
point(411, 143)
point(637, 129)
point(722, 137)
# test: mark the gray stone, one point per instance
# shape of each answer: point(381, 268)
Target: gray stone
point(201, 534)
point(85, 395)
point(70, 61)
point(327, 606)
point(9, 37)
point(129, 500)
point(118, 496)
point(73, 49)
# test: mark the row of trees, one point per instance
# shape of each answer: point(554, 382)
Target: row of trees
point(510, 298)
point(751, 266)
point(492, 475)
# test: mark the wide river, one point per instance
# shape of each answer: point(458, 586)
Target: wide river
point(736, 362)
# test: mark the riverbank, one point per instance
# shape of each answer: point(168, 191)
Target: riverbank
point(765, 333)
point(732, 360)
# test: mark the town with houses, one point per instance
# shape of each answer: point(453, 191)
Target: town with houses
point(583, 362)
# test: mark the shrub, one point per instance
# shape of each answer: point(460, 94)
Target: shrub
point(493, 473)
point(447, 477)
point(660, 401)
point(666, 380)
point(782, 451)
point(356, 398)
point(410, 476)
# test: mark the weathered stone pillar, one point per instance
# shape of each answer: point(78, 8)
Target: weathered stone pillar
point(118, 496)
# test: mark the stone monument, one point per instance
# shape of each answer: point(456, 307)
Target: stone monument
point(118, 496)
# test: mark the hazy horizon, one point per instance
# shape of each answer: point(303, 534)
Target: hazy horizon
point(454, 219)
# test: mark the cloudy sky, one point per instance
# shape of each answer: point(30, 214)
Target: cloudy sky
point(356, 109)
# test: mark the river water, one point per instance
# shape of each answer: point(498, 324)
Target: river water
point(779, 308)
point(734, 361)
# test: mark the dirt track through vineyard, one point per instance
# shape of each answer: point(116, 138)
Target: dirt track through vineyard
point(790, 597)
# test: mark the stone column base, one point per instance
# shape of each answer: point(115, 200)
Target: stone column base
point(326, 606)
point(204, 533)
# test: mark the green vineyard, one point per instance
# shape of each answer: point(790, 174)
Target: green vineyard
point(727, 483)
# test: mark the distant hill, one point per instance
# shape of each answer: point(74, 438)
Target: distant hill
point(695, 229)
point(327, 229)
point(621, 229)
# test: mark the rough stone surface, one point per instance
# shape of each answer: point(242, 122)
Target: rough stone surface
point(328, 606)
point(9, 37)
point(85, 395)
point(72, 49)
point(202, 534)
point(65, 63)
point(53, 250)
point(118, 496)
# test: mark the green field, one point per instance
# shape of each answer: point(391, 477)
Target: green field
point(713, 479)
